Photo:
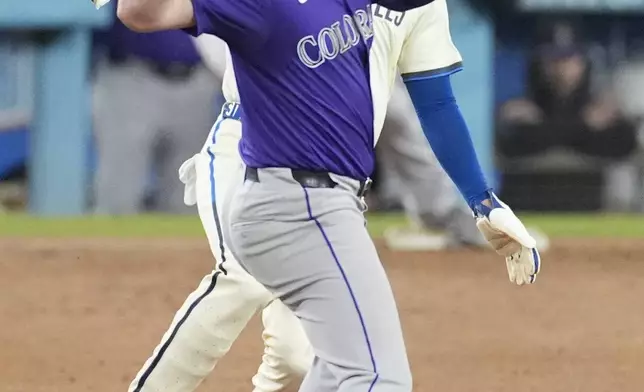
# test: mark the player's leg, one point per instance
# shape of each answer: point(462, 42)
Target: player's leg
point(311, 247)
point(189, 113)
point(125, 119)
point(427, 192)
point(287, 353)
point(214, 315)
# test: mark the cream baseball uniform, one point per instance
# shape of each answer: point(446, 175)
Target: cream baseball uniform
point(416, 43)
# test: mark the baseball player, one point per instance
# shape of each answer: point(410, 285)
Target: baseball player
point(429, 196)
point(311, 249)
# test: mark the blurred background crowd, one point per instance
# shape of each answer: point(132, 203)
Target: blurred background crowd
point(568, 111)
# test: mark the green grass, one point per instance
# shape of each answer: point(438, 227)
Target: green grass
point(600, 225)
point(20, 225)
point(555, 225)
point(101, 226)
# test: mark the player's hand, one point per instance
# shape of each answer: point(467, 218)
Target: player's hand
point(509, 238)
point(99, 3)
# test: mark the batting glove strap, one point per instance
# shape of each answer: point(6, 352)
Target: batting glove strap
point(481, 210)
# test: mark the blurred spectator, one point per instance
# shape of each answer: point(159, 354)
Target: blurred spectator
point(629, 177)
point(153, 107)
point(558, 144)
point(561, 111)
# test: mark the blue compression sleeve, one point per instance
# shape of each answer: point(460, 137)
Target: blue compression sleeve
point(446, 131)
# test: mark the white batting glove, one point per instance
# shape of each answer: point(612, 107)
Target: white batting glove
point(99, 3)
point(188, 175)
point(509, 238)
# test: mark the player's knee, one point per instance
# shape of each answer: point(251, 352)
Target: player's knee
point(398, 380)
point(405, 381)
point(295, 355)
point(285, 338)
point(299, 361)
point(385, 381)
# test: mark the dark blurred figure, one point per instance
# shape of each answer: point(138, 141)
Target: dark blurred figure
point(557, 145)
point(153, 108)
point(560, 110)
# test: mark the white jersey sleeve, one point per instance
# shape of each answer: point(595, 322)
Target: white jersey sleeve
point(428, 50)
point(216, 55)
point(213, 53)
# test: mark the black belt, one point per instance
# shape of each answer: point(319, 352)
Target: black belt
point(310, 179)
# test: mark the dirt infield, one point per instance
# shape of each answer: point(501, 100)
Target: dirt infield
point(82, 315)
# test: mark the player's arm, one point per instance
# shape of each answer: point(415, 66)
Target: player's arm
point(155, 15)
point(450, 139)
point(241, 23)
point(449, 136)
point(429, 59)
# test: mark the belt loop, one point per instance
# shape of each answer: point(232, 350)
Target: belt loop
point(364, 187)
point(251, 174)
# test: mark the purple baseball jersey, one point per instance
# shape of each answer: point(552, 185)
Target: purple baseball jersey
point(302, 70)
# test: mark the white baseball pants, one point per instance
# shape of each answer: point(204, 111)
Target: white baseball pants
point(213, 316)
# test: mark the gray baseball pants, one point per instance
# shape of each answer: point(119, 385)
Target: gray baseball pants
point(311, 248)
